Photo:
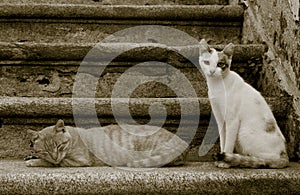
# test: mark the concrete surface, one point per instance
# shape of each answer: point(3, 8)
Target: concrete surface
point(49, 22)
point(155, 12)
point(48, 69)
point(195, 178)
point(122, 2)
point(43, 107)
point(147, 51)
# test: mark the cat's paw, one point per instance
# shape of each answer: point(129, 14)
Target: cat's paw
point(38, 163)
point(30, 158)
point(218, 156)
point(222, 164)
point(30, 163)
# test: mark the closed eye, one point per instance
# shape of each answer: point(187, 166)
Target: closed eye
point(62, 145)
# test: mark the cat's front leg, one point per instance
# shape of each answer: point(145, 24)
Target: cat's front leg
point(219, 114)
point(232, 128)
point(222, 131)
point(38, 163)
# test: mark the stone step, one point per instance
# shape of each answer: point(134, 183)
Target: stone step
point(195, 178)
point(64, 107)
point(121, 2)
point(78, 23)
point(19, 114)
point(49, 69)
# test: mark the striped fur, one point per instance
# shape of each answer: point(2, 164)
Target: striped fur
point(113, 145)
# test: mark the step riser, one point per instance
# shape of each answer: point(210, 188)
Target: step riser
point(57, 81)
point(124, 2)
point(94, 33)
point(91, 23)
point(19, 114)
point(32, 75)
point(18, 145)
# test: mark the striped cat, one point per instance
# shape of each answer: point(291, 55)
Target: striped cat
point(245, 121)
point(113, 145)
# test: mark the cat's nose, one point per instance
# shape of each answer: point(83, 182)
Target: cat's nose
point(212, 71)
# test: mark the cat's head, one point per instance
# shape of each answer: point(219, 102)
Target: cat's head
point(51, 143)
point(215, 63)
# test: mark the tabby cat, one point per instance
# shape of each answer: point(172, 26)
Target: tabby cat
point(249, 134)
point(113, 145)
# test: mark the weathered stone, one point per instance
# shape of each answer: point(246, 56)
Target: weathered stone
point(54, 38)
point(102, 52)
point(47, 107)
point(40, 78)
point(195, 178)
point(124, 2)
point(94, 32)
point(80, 23)
point(81, 11)
point(272, 22)
point(39, 107)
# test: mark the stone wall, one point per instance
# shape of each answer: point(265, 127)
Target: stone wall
point(273, 23)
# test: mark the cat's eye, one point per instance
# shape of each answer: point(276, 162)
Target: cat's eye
point(222, 65)
point(206, 62)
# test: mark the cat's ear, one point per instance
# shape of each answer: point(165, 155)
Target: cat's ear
point(229, 49)
point(60, 126)
point(33, 134)
point(204, 47)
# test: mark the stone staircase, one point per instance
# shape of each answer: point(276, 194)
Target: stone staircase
point(46, 46)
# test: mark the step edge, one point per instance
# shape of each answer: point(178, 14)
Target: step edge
point(183, 12)
point(74, 51)
point(41, 107)
point(195, 177)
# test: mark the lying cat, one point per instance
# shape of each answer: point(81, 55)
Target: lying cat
point(133, 146)
point(245, 121)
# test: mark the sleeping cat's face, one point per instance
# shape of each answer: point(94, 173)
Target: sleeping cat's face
point(51, 143)
point(215, 63)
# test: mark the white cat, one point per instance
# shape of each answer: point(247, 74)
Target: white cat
point(249, 134)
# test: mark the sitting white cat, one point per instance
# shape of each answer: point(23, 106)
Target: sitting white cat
point(249, 134)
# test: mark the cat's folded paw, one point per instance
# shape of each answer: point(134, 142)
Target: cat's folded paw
point(38, 163)
point(222, 164)
point(30, 157)
point(30, 163)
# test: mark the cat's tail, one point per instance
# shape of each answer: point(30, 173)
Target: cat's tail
point(238, 160)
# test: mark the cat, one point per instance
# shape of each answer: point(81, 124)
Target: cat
point(249, 134)
point(112, 145)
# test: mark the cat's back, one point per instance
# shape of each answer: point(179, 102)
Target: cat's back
point(117, 145)
point(249, 101)
point(131, 137)
point(242, 88)
point(139, 134)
